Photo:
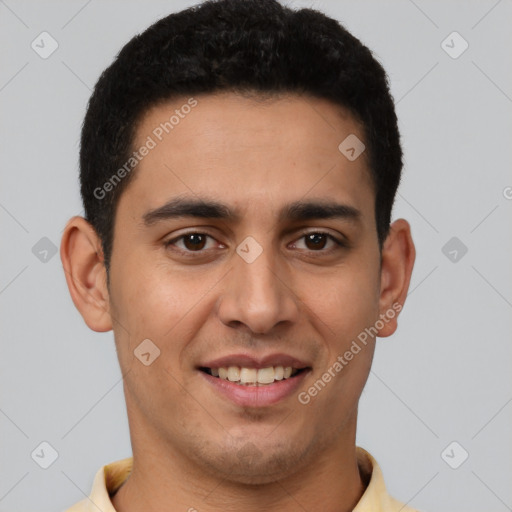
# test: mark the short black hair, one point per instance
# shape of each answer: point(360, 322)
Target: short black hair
point(241, 46)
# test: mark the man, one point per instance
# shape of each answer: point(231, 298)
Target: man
point(239, 162)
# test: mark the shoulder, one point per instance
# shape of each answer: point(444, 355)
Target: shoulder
point(376, 497)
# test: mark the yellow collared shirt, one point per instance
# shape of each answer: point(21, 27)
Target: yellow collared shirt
point(111, 476)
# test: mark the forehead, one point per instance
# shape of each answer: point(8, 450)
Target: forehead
point(264, 150)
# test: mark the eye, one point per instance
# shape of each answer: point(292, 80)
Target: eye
point(196, 242)
point(318, 240)
point(190, 242)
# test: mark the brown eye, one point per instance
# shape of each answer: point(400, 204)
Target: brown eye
point(315, 240)
point(190, 242)
point(194, 241)
point(319, 242)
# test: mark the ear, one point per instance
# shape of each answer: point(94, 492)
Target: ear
point(82, 258)
point(397, 261)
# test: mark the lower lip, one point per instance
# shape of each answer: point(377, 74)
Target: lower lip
point(256, 396)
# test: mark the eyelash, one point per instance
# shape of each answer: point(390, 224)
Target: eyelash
point(340, 244)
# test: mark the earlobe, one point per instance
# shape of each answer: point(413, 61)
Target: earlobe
point(82, 259)
point(398, 255)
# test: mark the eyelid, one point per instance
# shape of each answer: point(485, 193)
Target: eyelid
point(340, 241)
point(175, 239)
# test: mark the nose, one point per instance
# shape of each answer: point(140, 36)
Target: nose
point(258, 295)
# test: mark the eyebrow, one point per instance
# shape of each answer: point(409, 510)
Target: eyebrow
point(210, 209)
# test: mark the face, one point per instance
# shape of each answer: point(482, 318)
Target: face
point(245, 249)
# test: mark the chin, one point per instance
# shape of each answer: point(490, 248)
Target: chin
point(251, 464)
point(257, 473)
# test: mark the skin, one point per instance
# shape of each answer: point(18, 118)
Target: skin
point(192, 447)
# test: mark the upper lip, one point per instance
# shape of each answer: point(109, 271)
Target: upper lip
point(253, 361)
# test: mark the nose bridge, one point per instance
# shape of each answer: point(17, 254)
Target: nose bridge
point(256, 294)
point(258, 276)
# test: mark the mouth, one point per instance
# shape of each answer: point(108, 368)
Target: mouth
point(245, 376)
point(251, 381)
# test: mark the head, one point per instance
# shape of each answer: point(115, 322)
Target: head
point(226, 222)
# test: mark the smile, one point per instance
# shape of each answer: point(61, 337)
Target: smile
point(253, 376)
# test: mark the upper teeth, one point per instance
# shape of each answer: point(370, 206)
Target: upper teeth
point(244, 375)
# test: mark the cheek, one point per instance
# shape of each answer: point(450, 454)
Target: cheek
point(152, 300)
point(348, 309)
point(346, 303)
point(343, 307)
point(152, 304)
point(161, 304)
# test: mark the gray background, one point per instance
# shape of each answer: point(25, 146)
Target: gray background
point(444, 376)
